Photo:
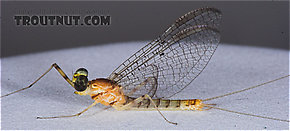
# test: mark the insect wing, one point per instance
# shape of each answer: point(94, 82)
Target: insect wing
point(203, 16)
point(185, 59)
point(176, 58)
point(143, 81)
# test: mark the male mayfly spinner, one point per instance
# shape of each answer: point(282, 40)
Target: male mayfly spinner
point(159, 70)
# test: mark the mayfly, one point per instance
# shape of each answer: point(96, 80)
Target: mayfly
point(159, 70)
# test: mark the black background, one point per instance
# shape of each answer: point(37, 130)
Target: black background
point(244, 23)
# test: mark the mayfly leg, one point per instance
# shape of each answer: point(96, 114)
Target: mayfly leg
point(69, 115)
point(139, 99)
point(144, 97)
point(53, 65)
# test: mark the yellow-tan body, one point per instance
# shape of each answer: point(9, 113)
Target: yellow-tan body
point(108, 92)
point(105, 91)
point(169, 105)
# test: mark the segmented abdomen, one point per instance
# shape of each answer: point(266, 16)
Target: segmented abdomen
point(192, 104)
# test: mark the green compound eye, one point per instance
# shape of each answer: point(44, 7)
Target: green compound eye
point(81, 83)
point(82, 71)
point(80, 79)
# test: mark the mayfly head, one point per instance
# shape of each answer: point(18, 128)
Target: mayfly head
point(80, 79)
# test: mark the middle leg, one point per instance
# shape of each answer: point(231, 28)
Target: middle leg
point(128, 105)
